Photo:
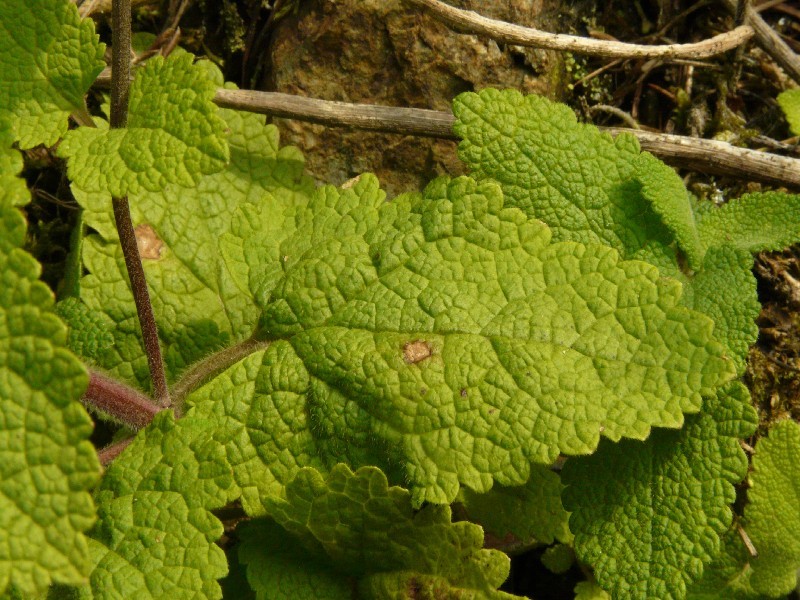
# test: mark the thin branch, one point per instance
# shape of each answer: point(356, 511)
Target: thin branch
point(721, 158)
point(769, 40)
point(391, 119)
point(122, 402)
point(708, 156)
point(212, 366)
point(471, 22)
point(120, 86)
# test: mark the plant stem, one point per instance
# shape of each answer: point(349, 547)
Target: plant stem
point(120, 85)
point(121, 401)
point(112, 451)
point(120, 61)
point(211, 366)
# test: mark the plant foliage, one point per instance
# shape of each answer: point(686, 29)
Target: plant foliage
point(366, 363)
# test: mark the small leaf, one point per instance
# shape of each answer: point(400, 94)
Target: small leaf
point(579, 181)
point(725, 290)
point(48, 59)
point(363, 529)
point(754, 222)
point(530, 512)
point(174, 135)
point(772, 515)
point(790, 103)
point(648, 515)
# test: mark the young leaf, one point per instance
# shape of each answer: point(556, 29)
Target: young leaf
point(366, 530)
point(155, 535)
point(727, 577)
point(259, 407)
point(772, 516)
point(200, 290)
point(648, 515)
point(474, 346)
point(790, 103)
point(725, 290)
point(579, 181)
point(48, 59)
point(47, 465)
point(529, 512)
point(174, 135)
point(754, 222)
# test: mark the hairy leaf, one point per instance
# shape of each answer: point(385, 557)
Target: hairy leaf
point(155, 535)
point(364, 529)
point(754, 222)
point(472, 345)
point(648, 515)
point(579, 181)
point(529, 512)
point(48, 59)
point(200, 287)
point(174, 135)
point(772, 515)
point(727, 577)
point(47, 466)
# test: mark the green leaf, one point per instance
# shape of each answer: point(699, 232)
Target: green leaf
point(155, 535)
point(473, 346)
point(200, 290)
point(365, 530)
point(48, 59)
point(754, 222)
point(579, 181)
point(559, 558)
point(90, 332)
point(772, 518)
point(648, 515)
point(725, 290)
point(728, 575)
point(261, 418)
point(790, 103)
point(670, 200)
point(174, 135)
point(47, 465)
point(529, 512)
point(589, 590)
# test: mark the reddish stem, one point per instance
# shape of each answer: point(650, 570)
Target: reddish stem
point(120, 401)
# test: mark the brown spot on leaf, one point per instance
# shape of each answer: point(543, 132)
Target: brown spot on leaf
point(416, 351)
point(463, 392)
point(150, 245)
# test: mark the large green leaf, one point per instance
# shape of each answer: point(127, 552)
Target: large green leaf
point(47, 466)
point(450, 328)
point(48, 60)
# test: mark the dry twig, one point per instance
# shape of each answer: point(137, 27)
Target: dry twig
point(708, 156)
point(471, 22)
point(769, 40)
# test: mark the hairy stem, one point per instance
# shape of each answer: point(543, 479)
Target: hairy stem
point(141, 296)
point(211, 366)
point(112, 451)
point(120, 85)
point(120, 401)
